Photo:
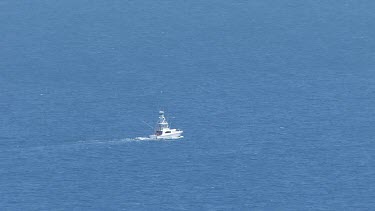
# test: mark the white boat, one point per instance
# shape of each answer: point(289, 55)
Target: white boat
point(162, 130)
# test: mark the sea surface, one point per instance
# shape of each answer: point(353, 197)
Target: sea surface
point(276, 100)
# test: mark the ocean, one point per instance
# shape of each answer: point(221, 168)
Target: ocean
point(276, 100)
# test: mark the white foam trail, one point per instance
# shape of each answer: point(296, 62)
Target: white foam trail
point(85, 143)
point(154, 139)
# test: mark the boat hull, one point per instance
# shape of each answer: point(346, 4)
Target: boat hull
point(173, 135)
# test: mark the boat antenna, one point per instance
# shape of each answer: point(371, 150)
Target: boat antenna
point(161, 108)
point(146, 124)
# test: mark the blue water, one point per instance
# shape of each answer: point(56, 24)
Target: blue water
point(276, 98)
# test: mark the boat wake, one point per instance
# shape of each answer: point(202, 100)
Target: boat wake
point(125, 140)
point(156, 139)
point(84, 144)
point(120, 141)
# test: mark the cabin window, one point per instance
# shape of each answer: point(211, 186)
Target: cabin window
point(168, 132)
